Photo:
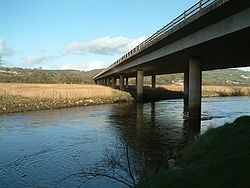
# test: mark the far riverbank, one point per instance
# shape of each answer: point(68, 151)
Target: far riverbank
point(21, 97)
point(35, 97)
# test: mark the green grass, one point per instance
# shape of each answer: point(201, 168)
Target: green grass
point(220, 158)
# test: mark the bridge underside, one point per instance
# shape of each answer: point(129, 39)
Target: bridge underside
point(220, 39)
point(229, 51)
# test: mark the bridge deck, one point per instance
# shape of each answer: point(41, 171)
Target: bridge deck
point(219, 33)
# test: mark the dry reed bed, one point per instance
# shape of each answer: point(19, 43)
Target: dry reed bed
point(31, 97)
point(58, 91)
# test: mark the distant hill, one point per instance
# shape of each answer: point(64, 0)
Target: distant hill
point(19, 75)
point(224, 77)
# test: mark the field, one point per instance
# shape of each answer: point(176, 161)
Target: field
point(29, 97)
point(57, 91)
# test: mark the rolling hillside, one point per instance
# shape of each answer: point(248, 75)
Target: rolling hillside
point(227, 77)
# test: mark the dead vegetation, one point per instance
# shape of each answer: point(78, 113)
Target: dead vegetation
point(57, 91)
point(32, 97)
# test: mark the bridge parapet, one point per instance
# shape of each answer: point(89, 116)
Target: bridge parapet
point(184, 18)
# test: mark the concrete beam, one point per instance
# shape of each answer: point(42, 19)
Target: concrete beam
point(194, 94)
point(121, 82)
point(139, 85)
point(153, 81)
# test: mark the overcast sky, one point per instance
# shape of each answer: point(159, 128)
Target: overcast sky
point(78, 34)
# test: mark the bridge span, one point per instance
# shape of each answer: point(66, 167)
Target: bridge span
point(212, 34)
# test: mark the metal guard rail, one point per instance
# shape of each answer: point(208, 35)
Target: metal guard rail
point(200, 5)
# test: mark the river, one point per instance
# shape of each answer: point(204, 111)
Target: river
point(39, 149)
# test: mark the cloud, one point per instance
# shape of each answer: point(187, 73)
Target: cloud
point(43, 50)
point(37, 59)
point(86, 66)
point(5, 50)
point(96, 65)
point(103, 46)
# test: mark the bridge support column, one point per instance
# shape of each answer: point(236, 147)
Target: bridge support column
point(194, 93)
point(126, 83)
point(139, 85)
point(107, 81)
point(121, 82)
point(186, 90)
point(113, 82)
point(153, 81)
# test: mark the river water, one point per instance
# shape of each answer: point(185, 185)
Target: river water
point(39, 149)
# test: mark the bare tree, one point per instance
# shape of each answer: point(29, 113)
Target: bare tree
point(120, 164)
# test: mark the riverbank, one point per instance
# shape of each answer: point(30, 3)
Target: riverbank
point(219, 158)
point(20, 97)
point(34, 97)
point(215, 91)
point(164, 92)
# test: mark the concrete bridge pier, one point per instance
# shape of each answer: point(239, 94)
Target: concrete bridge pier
point(126, 83)
point(113, 82)
point(107, 81)
point(194, 91)
point(153, 81)
point(139, 84)
point(121, 82)
point(186, 90)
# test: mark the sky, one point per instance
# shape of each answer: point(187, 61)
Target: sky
point(78, 34)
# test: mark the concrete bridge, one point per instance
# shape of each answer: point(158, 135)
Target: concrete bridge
point(212, 34)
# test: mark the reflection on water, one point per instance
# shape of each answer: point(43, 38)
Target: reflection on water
point(39, 148)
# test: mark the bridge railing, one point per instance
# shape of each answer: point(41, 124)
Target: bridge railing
point(199, 6)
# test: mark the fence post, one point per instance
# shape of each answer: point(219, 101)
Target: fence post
point(200, 5)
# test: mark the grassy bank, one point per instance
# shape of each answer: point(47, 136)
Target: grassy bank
point(163, 92)
point(159, 93)
point(33, 97)
point(220, 158)
point(215, 91)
